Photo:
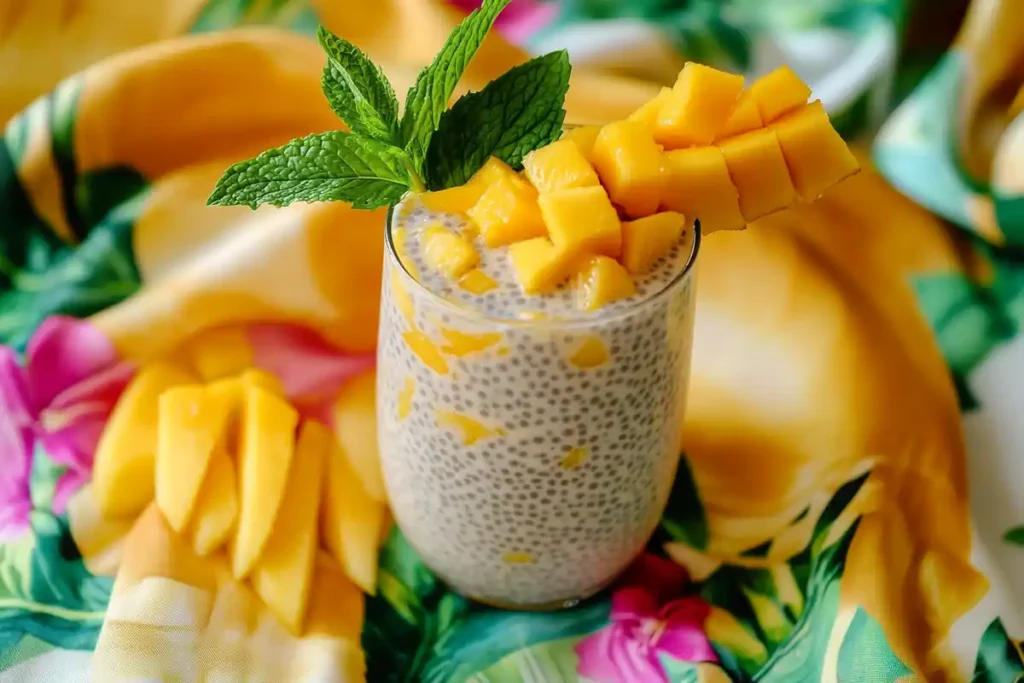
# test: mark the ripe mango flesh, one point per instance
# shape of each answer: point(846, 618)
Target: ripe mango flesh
point(583, 137)
point(700, 104)
point(744, 118)
point(124, 470)
point(450, 254)
point(699, 187)
point(647, 115)
point(779, 92)
point(457, 199)
point(601, 281)
point(758, 169)
point(628, 162)
point(477, 281)
point(648, 239)
point(351, 522)
point(817, 157)
point(266, 446)
point(493, 171)
point(191, 425)
point(216, 508)
point(426, 351)
point(559, 166)
point(220, 352)
point(355, 428)
point(539, 265)
point(582, 220)
point(507, 212)
point(284, 573)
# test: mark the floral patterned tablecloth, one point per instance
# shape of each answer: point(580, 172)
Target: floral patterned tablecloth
point(845, 508)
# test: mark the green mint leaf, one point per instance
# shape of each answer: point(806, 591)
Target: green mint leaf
point(511, 117)
point(428, 98)
point(357, 89)
point(327, 166)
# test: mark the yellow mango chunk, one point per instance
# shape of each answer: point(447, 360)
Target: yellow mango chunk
point(470, 429)
point(454, 199)
point(582, 220)
point(647, 114)
point(426, 351)
point(124, 470)
point(591, 353)
point(220, 352)
point(400, 238)
point(517, 558)
point(574, 458)
point(539, 265)
point(266, 446)
point(216, 508)
point(629, 163)
point(402, 297)
point(647, 239)
point(559, 166)
point(495, 170)
point(700, 104)
point(816, 155)
point(284, 573)
point(351, 522)
point(744, 118)
point(601, 281)
point(448, 253)
point(778, 92)
point(477, 282)
point(355, 428)
point(254, 377)
point(405, 397)
point(583, 137)
point(507, 212)
point(699, 187)
point(191, 426)
point(462, 344)
point(337, 607)
point(758, 169)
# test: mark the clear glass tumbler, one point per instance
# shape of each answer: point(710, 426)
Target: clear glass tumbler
point(529, 462)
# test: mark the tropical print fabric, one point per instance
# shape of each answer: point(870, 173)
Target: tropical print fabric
point(845, 509)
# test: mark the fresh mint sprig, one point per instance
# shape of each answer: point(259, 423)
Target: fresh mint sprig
point(385, 156)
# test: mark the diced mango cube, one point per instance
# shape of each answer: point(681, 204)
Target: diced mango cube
point(647, 115)
point(698, 108)
point(461, 344)
point(469, 429)
point(583, 137)
point(355, 428)
point(449, 254)
point(493, 171)
point(216, 508)
point(778, 92)
point(426, 351)
point(629, 163)
point(744, 118)
point(591, 353)
point(507, 212)
point(699, 186)
point(559, 166)
point(539, 265)
point(582, 220)
point(601, 281)
point(816, 155)
point(647, 239)
point(459, 199)
point(477, 282)
point(758, 169)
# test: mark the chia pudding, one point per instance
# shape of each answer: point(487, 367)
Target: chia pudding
point(528, 447)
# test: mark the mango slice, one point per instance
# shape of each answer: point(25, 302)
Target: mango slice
point(699, 186)
point(351, 522)
point(220, 352)
point(758, 169)
point(744, 118)
point(191, 426)
point(647, 239)
point(450, 254)
point(583, 137)
point(817, 157)
point(629, 163)
point(457, 199)
point(601, 281)
point(559, 166)
point(265, 451)
point(582, 220)
point(507, 212)
point(779, 92)
point(284, 573)
point(124, 470)
point(216, 508)
point(336, 608)
point(539, 265)
point(477, 282)
point(647, 115)
point(700, 104)
point(355, 428)
point(426, 351)
point(470, 429)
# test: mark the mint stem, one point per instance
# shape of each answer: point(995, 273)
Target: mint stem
point(414, 178)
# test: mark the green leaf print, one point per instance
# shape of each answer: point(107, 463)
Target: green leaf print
point(865, 654)
point(683, 519)
point(1015, 535)
point(218, 15)
point(999, 658)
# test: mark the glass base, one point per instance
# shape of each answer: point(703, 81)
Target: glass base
point(553, 606)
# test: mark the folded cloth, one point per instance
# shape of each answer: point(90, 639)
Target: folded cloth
point(827, 522)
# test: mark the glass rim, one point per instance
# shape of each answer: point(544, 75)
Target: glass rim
point(391, 253)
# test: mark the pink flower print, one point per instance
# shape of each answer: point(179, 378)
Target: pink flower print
point(520, 19)
point(59, 399)
point(650, 616)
